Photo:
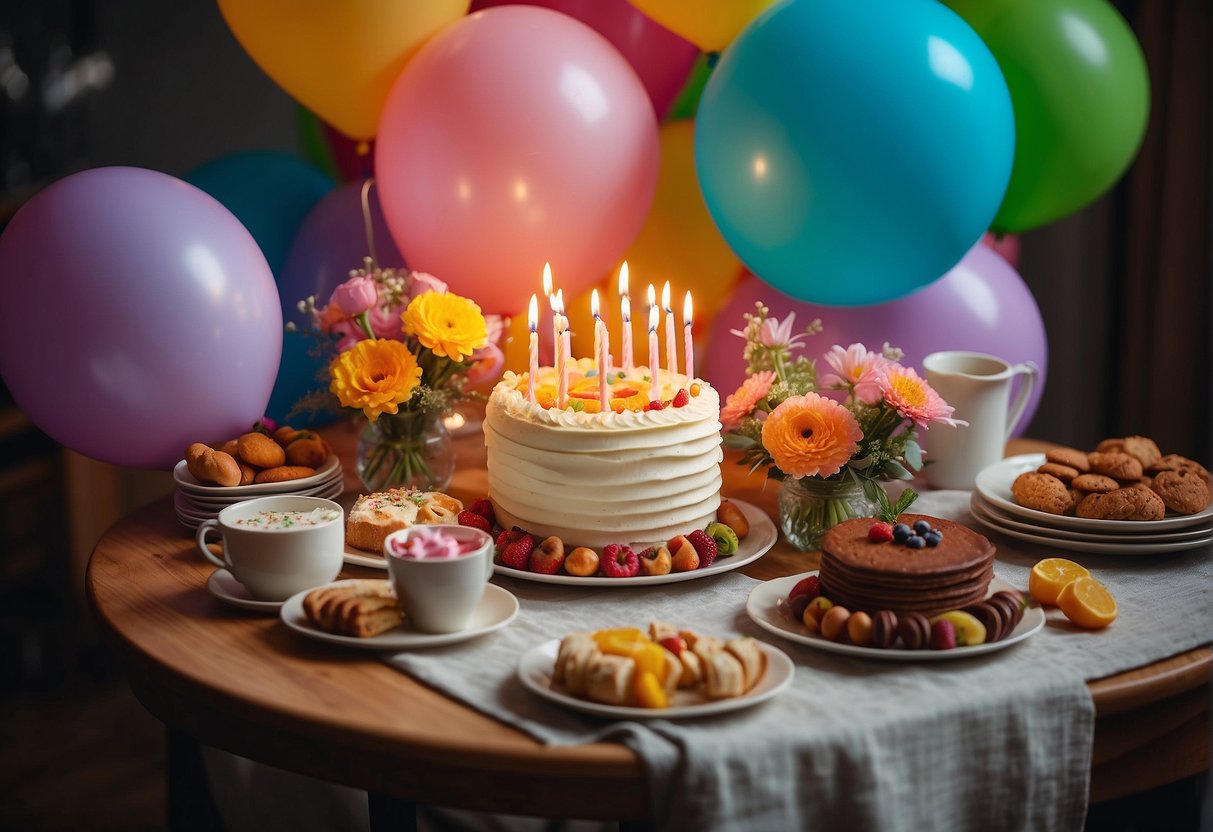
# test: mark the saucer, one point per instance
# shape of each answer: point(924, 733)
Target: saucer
point(224, 586)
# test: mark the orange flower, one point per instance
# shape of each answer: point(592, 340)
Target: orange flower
point(375, 375)
point(742, 403)
point(810, 436)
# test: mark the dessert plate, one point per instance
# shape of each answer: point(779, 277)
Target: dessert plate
point(763, 607)
point(186, 482)
point(535, 672)
point(1110, 545)
point(994, 514)
point(224, 586)
point(323, 488)
point(994, 485)
point(497, 608)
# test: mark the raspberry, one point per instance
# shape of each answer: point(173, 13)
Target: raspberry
point(655, 404)
point(880, 533)
point(810, 586)
point(619, 561)
point(485, 509)
point(476, 521)
point(518, 553)
point(682, 398)
point(704, 545)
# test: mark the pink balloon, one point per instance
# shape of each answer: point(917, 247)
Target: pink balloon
point(982, 304)
point(516, 136)
point(660, 58)
point(1005, 244)
point(143, 317)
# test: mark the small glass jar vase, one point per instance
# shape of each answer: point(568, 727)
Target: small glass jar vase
point(808, 507)
point(407, 450)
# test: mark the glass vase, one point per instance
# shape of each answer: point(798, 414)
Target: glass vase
point(809, 507)
point(408, 450)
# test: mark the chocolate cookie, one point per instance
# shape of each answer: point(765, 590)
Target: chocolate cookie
point(1042, 492)
point(1063, 472)
point(1118, 466)
point(1070, 457)
point(1185, 492)
point(1113, 505)
point(1095, 483)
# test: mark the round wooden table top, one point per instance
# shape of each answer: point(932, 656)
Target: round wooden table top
point(245, 683)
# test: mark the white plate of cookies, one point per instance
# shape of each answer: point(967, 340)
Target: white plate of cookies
point(995, 485)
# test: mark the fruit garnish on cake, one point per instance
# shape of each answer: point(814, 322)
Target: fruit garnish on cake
point(626, 666)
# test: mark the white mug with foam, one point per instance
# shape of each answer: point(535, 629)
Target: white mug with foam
point(978, 386)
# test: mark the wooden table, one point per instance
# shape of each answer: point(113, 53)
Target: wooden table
point(245, 683)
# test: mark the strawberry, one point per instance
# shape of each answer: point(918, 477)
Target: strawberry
point(476, 521)
point(675, 644)
point(704, 545)
point(810, 586)
point(682, 398)
point(485, 509)
point(518, 554)
point(619, 561)
point(655, 404)
point(507, 537)
point(880, 532)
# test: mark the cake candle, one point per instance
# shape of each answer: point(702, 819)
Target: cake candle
point(562, 341)
point(654, 388)
point(597, 330)
point(625, 314)
point(688, 345)
point(533, 320)
point(551, 296)
point(671, 351)
point(604, 366)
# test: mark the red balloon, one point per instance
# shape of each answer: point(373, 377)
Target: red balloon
point(516, 136)
point(661, 59)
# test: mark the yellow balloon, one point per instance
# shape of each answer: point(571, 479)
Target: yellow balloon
point(678, 243)
point(709, 24)
point(338, 59)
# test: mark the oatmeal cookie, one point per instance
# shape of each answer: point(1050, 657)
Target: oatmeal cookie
point(1118, 466)
point(1070, 457)
point(1055, 469)
point(1185, 492)
point(1095, 483)
point(1175, 462)
point(1143, 449)
point(1112, 505)
point(1042, 492)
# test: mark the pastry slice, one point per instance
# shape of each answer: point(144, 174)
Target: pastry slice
point(753, 660)
point(692, 669)
point(609, 679)
point(724, 675)
point(577, 651)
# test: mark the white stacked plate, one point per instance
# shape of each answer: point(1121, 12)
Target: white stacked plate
point(993, 507)
point(195, 501)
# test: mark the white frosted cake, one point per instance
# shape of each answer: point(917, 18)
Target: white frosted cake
point(592, 478)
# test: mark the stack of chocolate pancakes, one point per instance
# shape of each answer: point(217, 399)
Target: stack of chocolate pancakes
point(860, 574)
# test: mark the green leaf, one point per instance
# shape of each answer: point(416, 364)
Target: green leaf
point(904, 502)
point(913, 455)
point(875, 492)
point(896, 470)
point(736, 440)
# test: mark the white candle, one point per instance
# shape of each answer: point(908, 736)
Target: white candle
point(625, 309)
point(547, 291)
point(533, 320)
point(654, 388)
point(688, 345)
point(671, 352)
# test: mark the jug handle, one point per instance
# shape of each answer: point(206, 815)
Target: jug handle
point(1030, 373)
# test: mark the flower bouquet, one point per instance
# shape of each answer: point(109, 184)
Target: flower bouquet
point(831, 441)
point(406, 351)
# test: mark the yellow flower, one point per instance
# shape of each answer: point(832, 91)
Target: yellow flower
point(810, 436)
point(447, 324)
point(375, 375)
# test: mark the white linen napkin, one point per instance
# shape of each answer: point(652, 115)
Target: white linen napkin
point(996, 741)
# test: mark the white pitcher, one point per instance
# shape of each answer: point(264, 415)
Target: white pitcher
point(978, 386)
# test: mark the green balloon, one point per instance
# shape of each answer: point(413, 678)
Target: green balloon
point(1081, 95)
point(687, 102)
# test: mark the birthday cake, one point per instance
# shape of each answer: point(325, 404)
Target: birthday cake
point(630, 473)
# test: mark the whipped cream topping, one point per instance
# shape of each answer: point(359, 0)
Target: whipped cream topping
point(428, 543)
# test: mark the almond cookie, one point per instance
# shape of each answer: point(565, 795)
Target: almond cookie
point(1055, 469)
point(259, 450)
point(284, 473)
point(1042, 492)
point(1118, 466)
point(1095, 483)
point(1149, 506)
point(1069, 457)
point(1185, 492)
point(1114, 505)
point(1143, 449)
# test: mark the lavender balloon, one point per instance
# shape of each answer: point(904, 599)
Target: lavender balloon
point(982, 304)
point(143, 317)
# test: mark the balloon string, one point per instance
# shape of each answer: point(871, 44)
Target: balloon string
point(366, 219)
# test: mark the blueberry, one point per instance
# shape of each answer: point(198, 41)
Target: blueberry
point(932, 538)
point(921, 527)
point(915, 542)
point(900, 532)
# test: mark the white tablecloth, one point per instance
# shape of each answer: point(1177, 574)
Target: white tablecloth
point(998, 741)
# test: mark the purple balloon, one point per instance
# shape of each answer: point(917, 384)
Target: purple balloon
point(142, 317)
point(982, 305)
point(330, 242)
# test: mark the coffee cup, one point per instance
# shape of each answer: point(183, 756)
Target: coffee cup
point(439, 574)
point(278, 546)
point(978, 386)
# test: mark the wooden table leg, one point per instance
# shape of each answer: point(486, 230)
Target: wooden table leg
point(389, 814)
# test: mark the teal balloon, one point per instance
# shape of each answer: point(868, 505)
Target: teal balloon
point(1081, 93)
point(270, 193)
point(852, 151)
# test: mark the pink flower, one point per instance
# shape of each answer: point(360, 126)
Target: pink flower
point(495, 327)
point(385, 322)
point(742, 403)
point(355, 296)
point(855, 368)
point(348, 332)
point(776, 334)
point(422, 282)
point(486, 365)
point(913, 398)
